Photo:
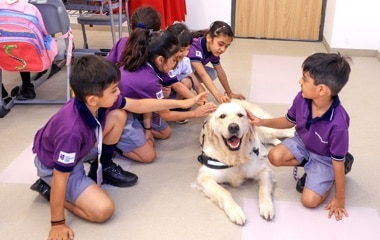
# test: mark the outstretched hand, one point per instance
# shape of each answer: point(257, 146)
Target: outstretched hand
point(236, 95)
point(336, 208)
point(205, 109)
point(200, 99)
point(61, 232)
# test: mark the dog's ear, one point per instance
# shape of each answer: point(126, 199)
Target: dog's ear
point(208, 127)
point(252, 134)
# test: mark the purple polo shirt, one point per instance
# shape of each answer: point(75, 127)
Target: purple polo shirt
point(326, 135)
point(69, 134)
point(143, 83)
point(198, 52)
point(115, 54)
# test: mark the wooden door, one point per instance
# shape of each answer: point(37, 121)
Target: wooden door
point(279, 19)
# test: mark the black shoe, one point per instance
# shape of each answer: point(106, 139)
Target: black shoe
point(301, 183)
point(348, 163)
point(42, 187)
point(114, 175)
point(27, 93)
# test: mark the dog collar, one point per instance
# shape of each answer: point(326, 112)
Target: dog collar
point(212, 162)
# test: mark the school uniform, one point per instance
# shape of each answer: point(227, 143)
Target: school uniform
point(66, 141)
point(116, 51)
point(142, 83)
point(182, 70)
point(198, 53)
point(318, 140)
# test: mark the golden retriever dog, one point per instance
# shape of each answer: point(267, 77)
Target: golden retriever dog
point(233, 151)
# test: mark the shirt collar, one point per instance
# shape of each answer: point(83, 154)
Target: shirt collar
point(158, 72)
point(86, 114)
point(204, 48)
point(327, 116)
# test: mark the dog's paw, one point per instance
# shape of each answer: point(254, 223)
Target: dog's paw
point(267, 210)
point(236, 215)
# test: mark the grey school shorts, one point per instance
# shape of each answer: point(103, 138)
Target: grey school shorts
point(319, 169)
point(210, 71)
point(78, 180)
point(133, 135)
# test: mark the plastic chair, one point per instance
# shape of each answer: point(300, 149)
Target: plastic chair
point(98, 12)
point(57, 22)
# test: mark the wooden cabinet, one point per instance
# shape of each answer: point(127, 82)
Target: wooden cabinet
point(279, 19)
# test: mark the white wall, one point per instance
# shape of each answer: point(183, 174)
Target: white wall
point(349, 24)
point(352, 24)
point(201, 13)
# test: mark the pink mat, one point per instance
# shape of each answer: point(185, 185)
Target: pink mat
point(296, 222)
point(275, 79)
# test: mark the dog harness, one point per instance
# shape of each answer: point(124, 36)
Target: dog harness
point(215, 163)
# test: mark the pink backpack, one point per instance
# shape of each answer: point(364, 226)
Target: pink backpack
point(25, 45)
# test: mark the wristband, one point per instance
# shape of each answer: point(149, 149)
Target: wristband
point(149, 128)
point(56, 223)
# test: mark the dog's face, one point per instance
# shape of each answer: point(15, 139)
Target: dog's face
point(230, 122)
point(228, 130)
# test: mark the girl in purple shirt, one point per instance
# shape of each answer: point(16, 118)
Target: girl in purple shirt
point(148, 56)
point(207, 47)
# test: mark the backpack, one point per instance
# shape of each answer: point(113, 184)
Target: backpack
point(25, 45)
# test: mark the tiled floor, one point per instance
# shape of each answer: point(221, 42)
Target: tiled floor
point(163, 205)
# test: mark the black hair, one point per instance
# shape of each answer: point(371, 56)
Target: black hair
point(182, 32)
point(331, 69)
point(216, 28)
point(144, 45)
point(91, 75)
point(146, 17)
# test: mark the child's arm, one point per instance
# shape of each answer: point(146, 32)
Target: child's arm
point(278, 123)
point(337, 205)
point(182, 90)
point(152, 105)
point(200, 111)
point(224, 81)
point(198, 86)
point(57, 206)
point(207, 81)
point(147, 125)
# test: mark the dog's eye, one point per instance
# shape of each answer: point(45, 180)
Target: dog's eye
point(222, 116)
point(240, 115)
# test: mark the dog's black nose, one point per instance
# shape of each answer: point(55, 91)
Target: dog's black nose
point(233, 128)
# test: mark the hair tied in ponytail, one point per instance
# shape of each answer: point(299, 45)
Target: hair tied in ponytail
point(141, 25)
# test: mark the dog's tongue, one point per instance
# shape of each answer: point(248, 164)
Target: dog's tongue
point(234, 142)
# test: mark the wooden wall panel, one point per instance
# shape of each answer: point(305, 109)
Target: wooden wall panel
point(278, 19)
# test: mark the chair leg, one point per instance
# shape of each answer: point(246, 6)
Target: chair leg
point(85, 44)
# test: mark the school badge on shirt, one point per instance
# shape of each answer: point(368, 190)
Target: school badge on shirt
point(172, 74)
point(66, 158)
point(160, 94)
point(198, 54)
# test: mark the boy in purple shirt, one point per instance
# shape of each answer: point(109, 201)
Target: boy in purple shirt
point(321, 139)
point(87, 127)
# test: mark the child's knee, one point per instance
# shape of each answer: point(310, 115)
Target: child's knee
point(117, 116)
point(310, 201)
point(104, 212)
point(275, 158)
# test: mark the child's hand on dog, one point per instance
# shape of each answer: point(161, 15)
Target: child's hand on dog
point(253, 120)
